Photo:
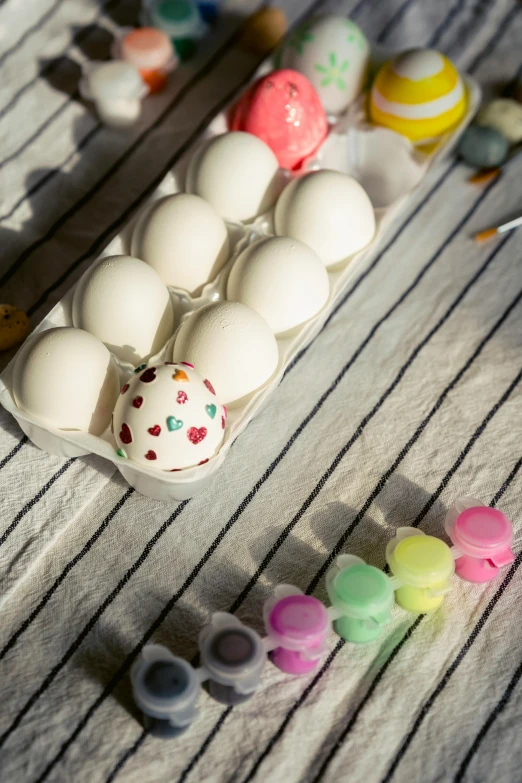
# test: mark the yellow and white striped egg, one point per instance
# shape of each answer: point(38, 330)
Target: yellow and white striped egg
point(418, 94)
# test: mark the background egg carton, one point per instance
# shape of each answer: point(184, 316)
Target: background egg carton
point(387, 166)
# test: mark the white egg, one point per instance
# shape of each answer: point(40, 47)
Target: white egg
point(281, 279)
point(168, 417)
point(328, 211)
point(237, 173)
point(231, 344)
point(333, 53)
point(184, 240)
point(124, 303)
point(67, 379)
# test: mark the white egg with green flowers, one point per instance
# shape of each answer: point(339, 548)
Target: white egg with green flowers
point(333, 53)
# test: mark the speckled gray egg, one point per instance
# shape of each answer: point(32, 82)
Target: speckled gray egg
point(483, 147)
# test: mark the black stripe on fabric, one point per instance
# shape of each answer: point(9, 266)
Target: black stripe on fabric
point(501, 30)
point(39, 495)
point(318, 488)
point(68, 568)
point(206, 744)
point(452, 669)
point(38, 132)
point(289, 715)
point(395, 19)
point(109, 232)
point(441, 29)
point(283, 536)
point(30, 30)
point(499, 707)
point(218, 542)
point(92, 622)
point(476, 435)
point(506, 483)
point(53, 172)
point(130, 752)
point(14, 451)
point(84, 33)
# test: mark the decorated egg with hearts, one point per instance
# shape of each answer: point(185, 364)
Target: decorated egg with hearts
point(168, 417)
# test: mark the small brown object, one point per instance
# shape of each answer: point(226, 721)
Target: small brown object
point(14, 326)
point(262, 31)
point(484, 175)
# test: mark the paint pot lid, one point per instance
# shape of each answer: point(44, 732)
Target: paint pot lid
point(362, 591)
point(148, 48)
point(420, 560)
point(482, 530)
point(231, 652)
point(299, 619)
point(177, 18)
point(165, 686)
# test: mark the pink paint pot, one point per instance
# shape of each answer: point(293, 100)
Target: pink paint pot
point(482, 539)
point(298, 626)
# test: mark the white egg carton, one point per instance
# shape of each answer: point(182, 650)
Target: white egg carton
point(387, 166)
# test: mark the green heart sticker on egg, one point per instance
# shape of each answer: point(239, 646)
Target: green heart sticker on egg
point(174, 424)
point(211, 410)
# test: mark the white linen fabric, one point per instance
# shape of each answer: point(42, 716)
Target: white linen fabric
point(409, 397)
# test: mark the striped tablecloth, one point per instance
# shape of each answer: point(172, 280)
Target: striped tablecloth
point(410, 397)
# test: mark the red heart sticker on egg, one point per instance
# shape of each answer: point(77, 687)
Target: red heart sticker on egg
point(149, 375)
point(209, 386)
point(155, 430)
point(150, 455)
point(196, 435)
point(137, 402)
point(125, 434)
point(124, 388)
point(181, 398)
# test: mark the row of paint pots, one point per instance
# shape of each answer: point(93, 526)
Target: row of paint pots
point(142, 58)
point(298, 626)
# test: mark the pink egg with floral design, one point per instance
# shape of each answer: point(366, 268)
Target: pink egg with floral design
point(167, 417)
point(284, 110)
